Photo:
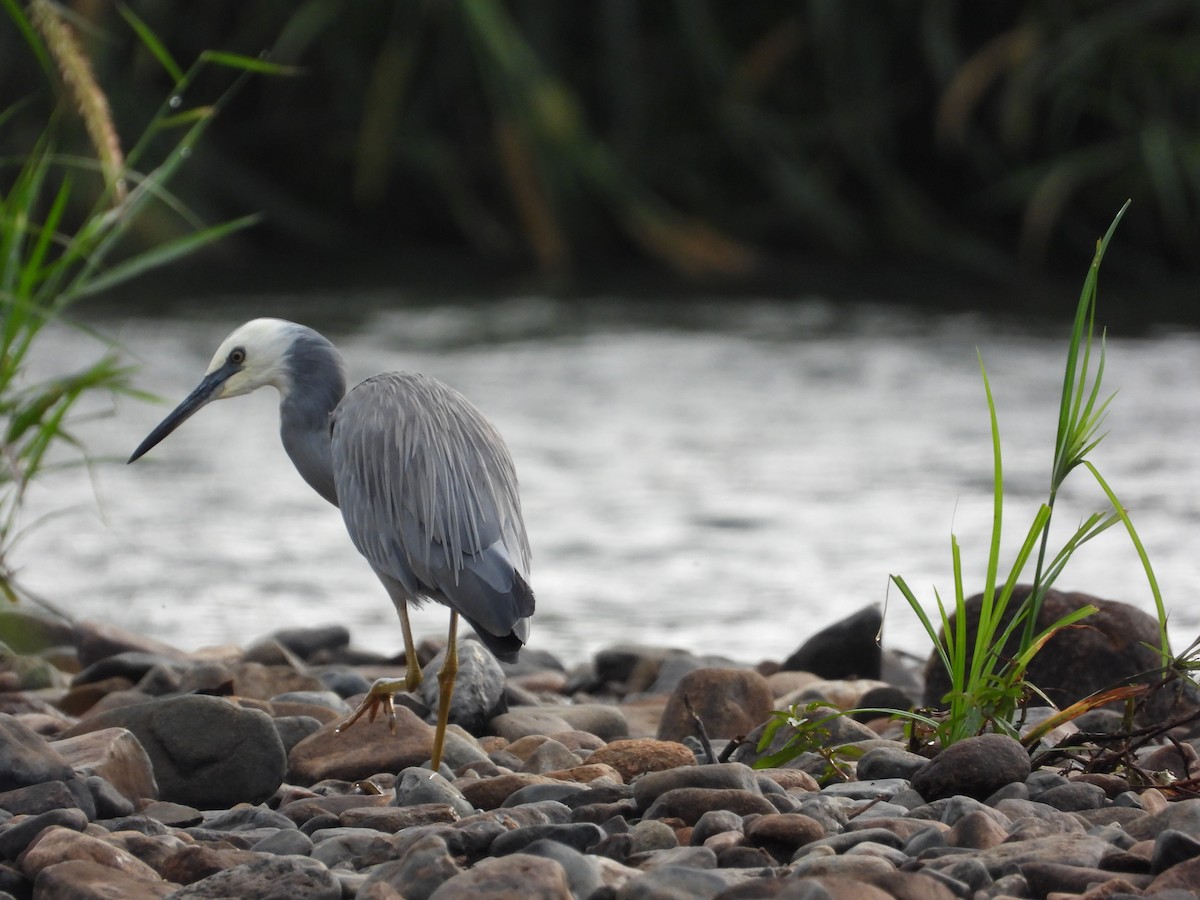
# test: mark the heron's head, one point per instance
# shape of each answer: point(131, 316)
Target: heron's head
point(254, 355)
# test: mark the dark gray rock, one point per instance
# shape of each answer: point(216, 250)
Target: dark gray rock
point(846, 649)
point(889, 762)
point(1074, 796)
point(206, 752)
point(1115, 646)
point(713, 822)
point(247, 818)
point(15, 837)
point(308, 642)
point(326, 699)
point(425, 865)
point(40, 798)
point(478, 687)
point(519, 875)
point(132, 664)
point(689, 804)
point(533, 793)
point(109, 803)
point(974, 767)
point(26, 758)
point(581, 836)
point(269, 878)
point(724, 776)
point(583, 876)
point(361, 847)
point(415, 786)
point(293, 729)
point(672, 883)
point(285, 842)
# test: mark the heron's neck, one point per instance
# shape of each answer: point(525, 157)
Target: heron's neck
point(317, 385)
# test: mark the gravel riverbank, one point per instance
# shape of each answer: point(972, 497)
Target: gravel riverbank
point(131, 769)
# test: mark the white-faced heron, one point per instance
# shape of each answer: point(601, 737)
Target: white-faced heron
point(425, 484)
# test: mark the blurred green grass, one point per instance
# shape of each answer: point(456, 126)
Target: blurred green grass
point(702, 139)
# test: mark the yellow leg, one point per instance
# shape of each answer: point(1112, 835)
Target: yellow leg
point(445, 691)
point(383, 691)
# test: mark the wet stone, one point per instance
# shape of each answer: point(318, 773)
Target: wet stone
point(580, 836)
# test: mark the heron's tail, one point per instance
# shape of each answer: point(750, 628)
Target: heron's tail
point(505, 647)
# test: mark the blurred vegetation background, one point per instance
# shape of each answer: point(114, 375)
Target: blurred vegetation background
point(691, 142)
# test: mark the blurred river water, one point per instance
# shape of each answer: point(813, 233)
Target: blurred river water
point(725, 476)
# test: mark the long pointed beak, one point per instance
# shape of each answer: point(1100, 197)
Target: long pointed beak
point(205, 393)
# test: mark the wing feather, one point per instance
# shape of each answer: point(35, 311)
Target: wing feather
point(428, 492)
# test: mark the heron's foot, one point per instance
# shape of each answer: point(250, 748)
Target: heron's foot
point(381, 696)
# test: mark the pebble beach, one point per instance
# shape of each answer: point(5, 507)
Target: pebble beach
point(131, 769)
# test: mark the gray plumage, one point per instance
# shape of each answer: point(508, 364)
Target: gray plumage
point(425, 484)
point(429, 496)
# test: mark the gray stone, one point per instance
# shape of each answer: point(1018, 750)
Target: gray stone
point(361, 847)
point(889, 762)
point(247, 818)
point(550, 756)
point(425, 865)
point(109, 802)
point(672, 883)
point(714, 822)
point(307, 642)
point(416, 786)
point(533, 793)
point(974, 767)
point(26, 758)
point(1073, 796)
point(728, 776)
point(846, 649)
point(478, 686)
point(40, 798)
point(206, 751)
point(689, 804)
point(293, 729)
point(269, 878)
point(285, 842)
point(82, 879)
point(520, 876)
point(16, 836)
point(1183, 816)
point(581, 836)
point(583, 871)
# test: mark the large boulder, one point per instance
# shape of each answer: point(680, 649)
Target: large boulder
point(206, 752)
point(1113, 646)
point(849, 648)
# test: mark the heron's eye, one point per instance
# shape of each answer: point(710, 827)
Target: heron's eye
point(237, 356)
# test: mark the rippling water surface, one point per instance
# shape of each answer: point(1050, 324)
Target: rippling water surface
point(726, 477)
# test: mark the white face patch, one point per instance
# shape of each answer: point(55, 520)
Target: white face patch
point(264, 344)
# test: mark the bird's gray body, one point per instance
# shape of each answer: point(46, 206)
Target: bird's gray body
point(432, 505)
point(425, 484)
